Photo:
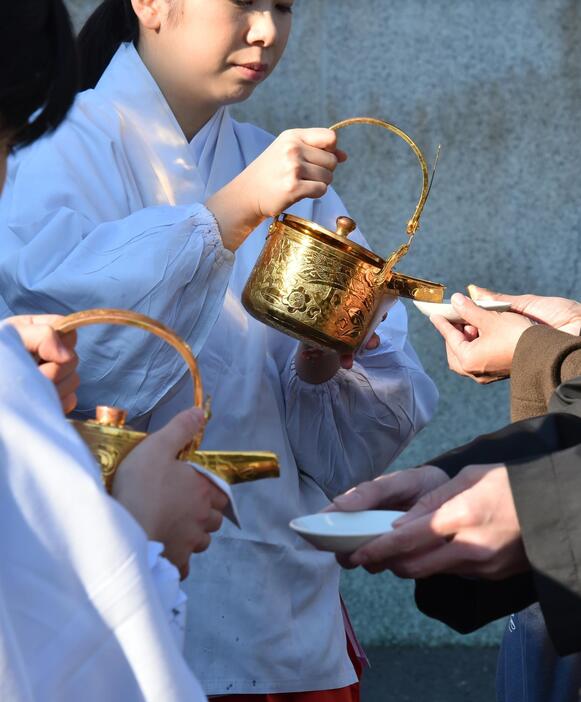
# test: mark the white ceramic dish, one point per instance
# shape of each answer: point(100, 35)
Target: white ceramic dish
point(344, 532)
point(446, 310)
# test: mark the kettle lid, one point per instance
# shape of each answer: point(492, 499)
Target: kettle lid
point(338, 239)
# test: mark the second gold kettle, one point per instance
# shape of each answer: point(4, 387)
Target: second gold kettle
point(110, 440)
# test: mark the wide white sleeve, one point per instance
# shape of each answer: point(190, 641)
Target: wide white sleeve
point(58, 255)
point(83, 617)
point(352, 427)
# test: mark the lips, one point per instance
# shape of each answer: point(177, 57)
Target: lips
point(253, 71)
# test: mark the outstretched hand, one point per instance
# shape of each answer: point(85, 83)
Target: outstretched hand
point(556, 312)
point(467, 526)
point(482, 348)
point(395, 491)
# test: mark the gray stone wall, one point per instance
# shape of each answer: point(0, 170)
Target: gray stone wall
point(497, 84)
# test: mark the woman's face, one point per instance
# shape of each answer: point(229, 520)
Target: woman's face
point(218, 51)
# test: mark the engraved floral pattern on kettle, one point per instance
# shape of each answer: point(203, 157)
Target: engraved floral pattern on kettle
point(320, 290)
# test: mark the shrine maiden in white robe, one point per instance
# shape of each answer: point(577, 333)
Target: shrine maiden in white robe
point(107, 212)
point(83, 615)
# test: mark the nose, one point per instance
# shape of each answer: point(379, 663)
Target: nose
point(263, 30)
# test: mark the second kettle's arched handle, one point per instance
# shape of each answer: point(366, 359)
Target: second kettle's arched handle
point(140, 321)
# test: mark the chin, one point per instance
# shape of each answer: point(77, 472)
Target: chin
point(238, 94)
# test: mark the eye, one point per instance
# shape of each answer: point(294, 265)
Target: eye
point(286, 9)
point(243, 3)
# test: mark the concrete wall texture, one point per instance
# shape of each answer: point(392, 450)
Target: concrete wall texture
point(497, 84)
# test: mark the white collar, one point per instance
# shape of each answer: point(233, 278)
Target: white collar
point(186, 172)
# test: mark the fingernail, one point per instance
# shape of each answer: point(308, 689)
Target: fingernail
point(348, 500)
point(473, 290)
point(458, 299)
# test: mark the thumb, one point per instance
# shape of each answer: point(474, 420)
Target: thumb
point(47, 344)
point(319, 137)
point(469, 311)
point(57, 347)
point(180, 431)
point(367, 495)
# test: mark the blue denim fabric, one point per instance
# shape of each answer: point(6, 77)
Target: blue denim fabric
point(529, 669)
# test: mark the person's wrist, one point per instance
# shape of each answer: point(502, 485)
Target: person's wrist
point(123, 491)
point(316, 366)
point(234, 223)
point(526, 324)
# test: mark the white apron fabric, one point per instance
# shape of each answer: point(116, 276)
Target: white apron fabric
point(81, 617)
point(104, 213)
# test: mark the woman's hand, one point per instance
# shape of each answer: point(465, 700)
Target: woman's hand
point(174, 504)
point(298, 164)
point(53, 352)
point(316, 365)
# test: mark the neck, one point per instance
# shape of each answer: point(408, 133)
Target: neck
point(190, 113)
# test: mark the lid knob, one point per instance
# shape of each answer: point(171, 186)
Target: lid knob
point(345, 225)
point(110, 416)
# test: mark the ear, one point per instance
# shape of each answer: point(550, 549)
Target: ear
point(149, 13)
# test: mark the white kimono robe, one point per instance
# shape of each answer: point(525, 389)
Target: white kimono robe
point(106, 213)
point(81, 617)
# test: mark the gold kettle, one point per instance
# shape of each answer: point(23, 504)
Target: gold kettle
point(318, 286)
point(110, 440)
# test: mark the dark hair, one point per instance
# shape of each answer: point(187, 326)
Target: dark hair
point(112, 24)
point(38, 68)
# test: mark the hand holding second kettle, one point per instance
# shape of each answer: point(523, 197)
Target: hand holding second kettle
point(298, 164)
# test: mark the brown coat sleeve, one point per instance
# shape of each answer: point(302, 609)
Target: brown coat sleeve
point(544, 358)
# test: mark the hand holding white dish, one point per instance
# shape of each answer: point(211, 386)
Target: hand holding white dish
point(344, 532)
point(445, 309)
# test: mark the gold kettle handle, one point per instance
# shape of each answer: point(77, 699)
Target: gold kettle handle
point(414, 222)
point(86, 318)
